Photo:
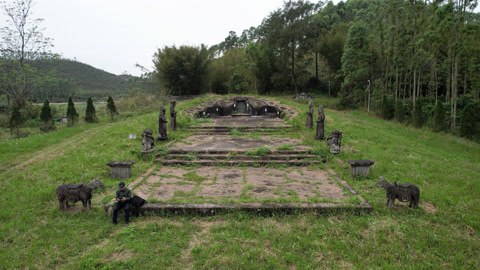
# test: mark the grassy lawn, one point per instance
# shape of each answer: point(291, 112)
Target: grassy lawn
point(443, 233)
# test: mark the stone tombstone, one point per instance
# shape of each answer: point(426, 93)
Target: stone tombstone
point(148, 143)
point(360, 167)
point(320, 124)
point(173, 116)
point(162, 125)
point(335, 141)
point(310, 115)
point(120, 169)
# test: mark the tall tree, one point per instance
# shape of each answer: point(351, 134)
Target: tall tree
point(355, 65)
point(183, 70)
point(22, 41)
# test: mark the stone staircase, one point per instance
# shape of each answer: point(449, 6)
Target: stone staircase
point(238, 158)
point(216, 130)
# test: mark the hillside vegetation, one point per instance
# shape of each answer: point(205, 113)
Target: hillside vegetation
point(443, 233)
point(90, 81)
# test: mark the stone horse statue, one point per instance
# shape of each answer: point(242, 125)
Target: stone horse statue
point(72, 193)
point(403, 192)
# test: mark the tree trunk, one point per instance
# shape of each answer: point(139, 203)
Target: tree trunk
point(454, 93)
point(316, 65)
point(414, 86)
point(396, 83)
point(293, 68)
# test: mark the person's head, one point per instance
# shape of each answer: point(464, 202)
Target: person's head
point(121, 185)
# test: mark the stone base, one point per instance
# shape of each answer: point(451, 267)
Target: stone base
point(360, 167)
point(155, 209)
point(120, 169)
point(148, 151)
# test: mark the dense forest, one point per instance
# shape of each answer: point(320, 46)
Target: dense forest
point(412, 57)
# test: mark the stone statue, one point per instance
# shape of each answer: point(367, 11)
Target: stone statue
point(320, 124)
point(72, 193)
point(310, 114)
point(335, 141)
point(148, 143)
point(403, 192)
point(173, 116)
point(162, 125)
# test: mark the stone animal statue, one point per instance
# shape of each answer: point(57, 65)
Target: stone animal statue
point(148, 143)
point(403, 192)
point(72, 193)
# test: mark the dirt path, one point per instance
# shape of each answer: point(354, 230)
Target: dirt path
point(51, 151)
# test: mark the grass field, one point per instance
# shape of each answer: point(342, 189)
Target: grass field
point(443, 233)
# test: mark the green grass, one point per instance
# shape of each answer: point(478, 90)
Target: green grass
point(443, 233)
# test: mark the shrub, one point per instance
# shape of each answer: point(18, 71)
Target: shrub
point(90, 114)
point(470, 121)
point(72, 114)
point(440, 119)
point(387, 108)
point(16, 121)
point(419, 117)
point(111, 107)
point(400, 111)
point(47, 119)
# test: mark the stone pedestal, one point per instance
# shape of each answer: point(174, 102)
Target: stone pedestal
point(120, 169)
point(360, 167)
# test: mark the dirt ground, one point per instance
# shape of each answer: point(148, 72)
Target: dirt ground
point(219, 184)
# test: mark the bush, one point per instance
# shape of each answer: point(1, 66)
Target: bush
point(387, 108)
point(16, 121)
point(90, 114)
point(72, 114)
point(47, 119)
point(111, 107)
point(440, 118)
point(419, 117)
point(470, 121)
point(400, 111)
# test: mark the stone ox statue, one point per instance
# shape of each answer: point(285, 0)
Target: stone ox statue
point(72, 193)
point(403, 192)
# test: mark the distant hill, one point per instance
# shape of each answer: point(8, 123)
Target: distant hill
point(90, 81)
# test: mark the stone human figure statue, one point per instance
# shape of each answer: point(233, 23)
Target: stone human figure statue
point(173, 116)
point(162, 125)
point(320, 124)
point(148, 143)
point(335, 141)
point(310, 114)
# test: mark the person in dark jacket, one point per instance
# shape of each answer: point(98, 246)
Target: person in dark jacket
point(122, 196)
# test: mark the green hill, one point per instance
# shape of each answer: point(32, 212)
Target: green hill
point(88, 80)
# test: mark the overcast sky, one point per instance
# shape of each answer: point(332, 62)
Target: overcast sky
point(114, 35)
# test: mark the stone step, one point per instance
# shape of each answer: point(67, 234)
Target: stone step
point(161, 209)
point(173, 162)
point(239, 152)
point(239, 157)
point(238, 128)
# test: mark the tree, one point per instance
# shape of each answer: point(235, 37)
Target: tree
point(355, 65)
point(470, 121)
point(183, 70)
point(47, 118)
point(289, 30)
point(16, 120)
point(72, 114)
point(111, 107)
point(22, 41)
point(90, 114)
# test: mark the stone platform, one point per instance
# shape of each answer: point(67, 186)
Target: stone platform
point(263, 190)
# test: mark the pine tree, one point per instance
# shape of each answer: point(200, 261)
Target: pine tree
point(72, 114)
point(90, 114)
point(111, 107)
point(47, 118)
point(16, 121)
point(400, 111)
point(418, 115)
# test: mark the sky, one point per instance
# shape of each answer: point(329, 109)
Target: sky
point(115, 35)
